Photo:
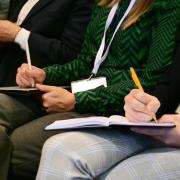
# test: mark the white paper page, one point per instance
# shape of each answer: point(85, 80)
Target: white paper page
point(120, 120)
point(94, 121)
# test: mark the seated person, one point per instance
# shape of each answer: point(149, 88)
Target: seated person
point(144, 41)
point(162, 162)
point(54, 31)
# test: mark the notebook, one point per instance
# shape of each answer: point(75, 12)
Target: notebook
point(101, 121)
point(16, 90)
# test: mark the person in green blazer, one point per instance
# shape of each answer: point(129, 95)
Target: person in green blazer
point(146, 41)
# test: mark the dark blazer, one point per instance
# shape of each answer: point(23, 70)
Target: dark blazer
point(57, 28)
point(168, 90)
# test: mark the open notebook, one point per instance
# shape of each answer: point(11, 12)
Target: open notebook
point(100, 121)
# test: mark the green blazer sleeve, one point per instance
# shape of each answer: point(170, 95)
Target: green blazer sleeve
point(149, 63)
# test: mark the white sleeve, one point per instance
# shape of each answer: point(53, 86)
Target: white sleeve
point(22, 37)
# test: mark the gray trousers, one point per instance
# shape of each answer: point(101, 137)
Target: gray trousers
point(85, 154)
point(107, 154)
point(28, 140)
point(22, 135)
point(13, 113)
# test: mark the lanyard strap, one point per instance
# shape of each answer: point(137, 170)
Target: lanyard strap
point(99, 56)
point(25, 10)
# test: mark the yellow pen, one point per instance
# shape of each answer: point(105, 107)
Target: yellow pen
point(138, 84)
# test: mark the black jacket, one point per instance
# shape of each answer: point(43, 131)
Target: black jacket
point(168, 90)
point(57, 28)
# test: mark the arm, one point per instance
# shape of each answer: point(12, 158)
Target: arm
point(62, 49)
point(160, 56)
point(110, 100)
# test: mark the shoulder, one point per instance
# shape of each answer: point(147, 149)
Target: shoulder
point(166, 9)
point(166, 4)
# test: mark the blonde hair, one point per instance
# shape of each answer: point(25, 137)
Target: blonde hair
point(138, 10)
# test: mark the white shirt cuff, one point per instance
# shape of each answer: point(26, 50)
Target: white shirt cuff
point(22, 37)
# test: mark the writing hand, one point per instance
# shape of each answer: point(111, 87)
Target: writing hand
point(140, 106)
point(26, 77)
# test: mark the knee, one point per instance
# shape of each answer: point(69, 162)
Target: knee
point(5, 149)
point(61, 151)
point(61, 145)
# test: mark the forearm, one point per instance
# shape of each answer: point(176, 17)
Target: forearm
point(65, 74)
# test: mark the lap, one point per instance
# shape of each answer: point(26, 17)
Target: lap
point(96, 149)
point(5, 149)
point(17, 110)
point(28, 140)
point(158, 163)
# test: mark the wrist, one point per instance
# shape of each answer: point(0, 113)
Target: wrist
point(73, 102)
point(15, 33)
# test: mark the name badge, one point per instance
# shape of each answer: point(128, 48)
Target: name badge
point(87, 84)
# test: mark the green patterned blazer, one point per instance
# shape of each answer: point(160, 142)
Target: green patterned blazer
point(148, 46)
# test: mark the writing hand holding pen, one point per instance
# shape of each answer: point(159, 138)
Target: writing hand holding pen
point(25, 77)
point(140, 106)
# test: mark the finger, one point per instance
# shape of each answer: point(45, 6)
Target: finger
point(170, 118)
point(167, 118)
point(140, 96)
point(18, 82)
point(44, 88)
point(134, 104)
point(24, 71)
point(136, 116)
point(22, 82)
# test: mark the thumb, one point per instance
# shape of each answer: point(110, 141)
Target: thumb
point(44, 88)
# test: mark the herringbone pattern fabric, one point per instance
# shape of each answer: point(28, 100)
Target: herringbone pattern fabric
point(148, 46)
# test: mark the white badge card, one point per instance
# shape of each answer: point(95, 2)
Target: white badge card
point(87, 84)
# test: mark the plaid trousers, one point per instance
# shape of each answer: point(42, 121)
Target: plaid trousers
point(152, 164)
point(106, 153)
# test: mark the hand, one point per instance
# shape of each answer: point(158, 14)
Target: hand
point(140, 106)
point(169, 136)
point(8, 31)
point(26, 77)
point(56, 99)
